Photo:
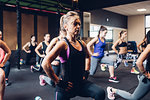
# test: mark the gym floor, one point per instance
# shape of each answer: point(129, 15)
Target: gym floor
point(25, 84)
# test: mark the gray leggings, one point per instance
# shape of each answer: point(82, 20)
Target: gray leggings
point(96, 61)
point(142, 89)
point(127, 56)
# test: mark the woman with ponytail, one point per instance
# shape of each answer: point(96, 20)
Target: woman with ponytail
point(98, 55)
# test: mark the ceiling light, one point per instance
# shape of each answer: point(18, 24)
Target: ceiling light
point(140, 10)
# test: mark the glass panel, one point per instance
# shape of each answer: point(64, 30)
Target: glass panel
point(148, 21)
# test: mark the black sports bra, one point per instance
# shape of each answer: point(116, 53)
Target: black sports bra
point(144, 44)
point(123, 44)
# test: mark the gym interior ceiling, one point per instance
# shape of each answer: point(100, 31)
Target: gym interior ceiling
point(64, 5)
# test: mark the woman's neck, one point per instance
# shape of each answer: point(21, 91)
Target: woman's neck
point(71, 38)
point(47, 42)
point(122, 38)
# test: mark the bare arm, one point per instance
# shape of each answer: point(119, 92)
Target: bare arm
point(39, 48)
point(2, 55)
point(25, 46)
point(46, 64)
point(90, 44)
point(7, 50)
point(138, 46)
point(87, 62)
point(142, 57)
point(115, 45)
point(50, 46)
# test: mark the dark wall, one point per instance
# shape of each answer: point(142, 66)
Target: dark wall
point(115, 20)
point(53, 25)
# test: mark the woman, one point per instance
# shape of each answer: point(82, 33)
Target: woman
point(73, 56)
point(98, 54)
point(56, 63)
point(142, 45)
point(31, 49)
point(7, 65)
point(41, 47)
point(4, 46)
point(144, 82)
point(122, 52)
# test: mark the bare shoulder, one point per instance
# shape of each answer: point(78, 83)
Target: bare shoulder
point(84, 44)
point(2, 42)
point(62, 43)
point(54, 40)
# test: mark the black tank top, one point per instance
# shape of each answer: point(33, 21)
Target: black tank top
point(32, 48)
point(44, 47)
point(73, 68)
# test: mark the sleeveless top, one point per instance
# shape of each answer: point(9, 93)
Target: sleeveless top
point(144, 44)
point(44, 47)
point(123, 44)
point(32, 48)
point(73, 65)
point(99, 48)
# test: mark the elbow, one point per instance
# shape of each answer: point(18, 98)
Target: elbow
point(112, 47)
point(46, 52)
point(9, 53)
point(35, 50)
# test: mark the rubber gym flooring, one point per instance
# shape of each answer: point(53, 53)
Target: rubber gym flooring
point(25, 84)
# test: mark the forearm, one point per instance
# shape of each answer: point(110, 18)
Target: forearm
point(115, 49)
point(25, 50)
point(87, 68)
point(37, 52)
point(6, 57)
point(50, 72)
point(140, 66)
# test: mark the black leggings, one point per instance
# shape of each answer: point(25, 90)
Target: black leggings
point(29, 56)
point(85, 89)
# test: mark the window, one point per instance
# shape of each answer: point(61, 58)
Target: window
point(147, 23)
point(94, 32)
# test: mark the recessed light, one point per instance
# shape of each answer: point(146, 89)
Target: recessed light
point(140, 10)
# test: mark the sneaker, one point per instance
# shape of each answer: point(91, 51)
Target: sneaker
point(138, 77)
point(103, 67)
point(31, 68)
point(126, 64)
point(113, 79)
point(110, 94)
point(7, 83)
point(42, 81)
point(134, 71)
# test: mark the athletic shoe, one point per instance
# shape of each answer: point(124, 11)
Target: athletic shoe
point(126, 64)
point(134, 71)
point(138, 77)
point(32, 68)
point(7, 83)
point(110, 94)
point(103, 67)
point(42, 81)
point(113, 79)
point(115, 65)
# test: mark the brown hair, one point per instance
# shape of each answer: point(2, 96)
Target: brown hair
point(120, 34)
point(102, 28)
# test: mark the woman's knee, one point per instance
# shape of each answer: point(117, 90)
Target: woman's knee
point(2, 75)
